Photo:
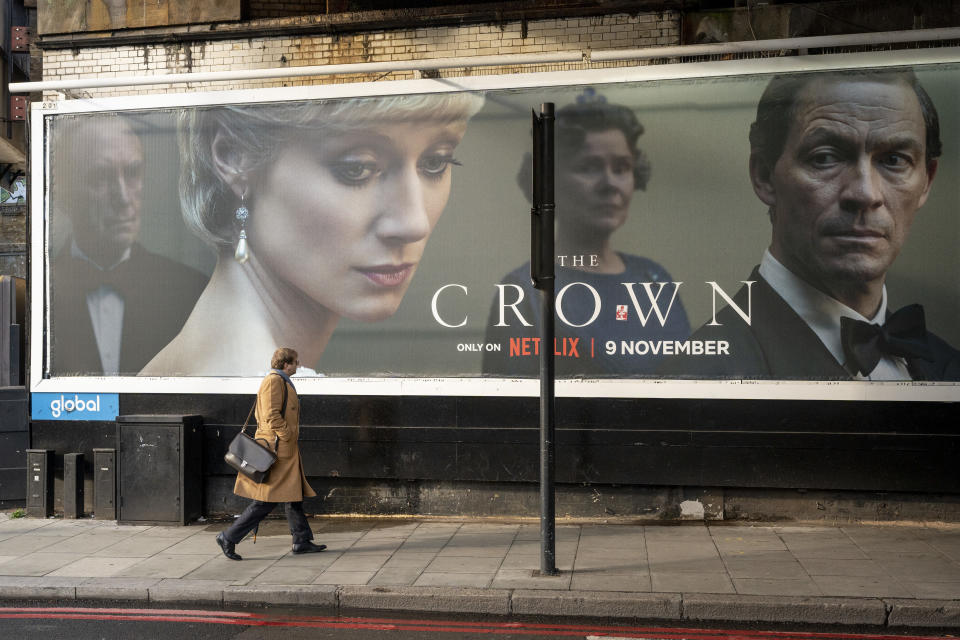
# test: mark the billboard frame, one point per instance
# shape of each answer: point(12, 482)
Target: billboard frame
point(451, 386)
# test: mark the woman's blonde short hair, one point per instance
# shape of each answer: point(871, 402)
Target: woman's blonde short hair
point(282, 357)
point(259, 131)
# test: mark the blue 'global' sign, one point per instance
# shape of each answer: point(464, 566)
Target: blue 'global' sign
point(75, 406)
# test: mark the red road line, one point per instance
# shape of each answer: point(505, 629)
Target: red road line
point(200, 612)
point(256, 619)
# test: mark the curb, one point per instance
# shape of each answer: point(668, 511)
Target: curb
point(693, 607)
point(810, 610)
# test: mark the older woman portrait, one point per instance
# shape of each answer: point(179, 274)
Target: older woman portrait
point(278, 421)
point(599, 167)
point(317, 210)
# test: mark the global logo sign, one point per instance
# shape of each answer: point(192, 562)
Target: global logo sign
point(75, 406)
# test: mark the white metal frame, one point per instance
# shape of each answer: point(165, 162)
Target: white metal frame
point(733, 389)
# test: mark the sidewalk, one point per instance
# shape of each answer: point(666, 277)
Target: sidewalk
point(895, 576)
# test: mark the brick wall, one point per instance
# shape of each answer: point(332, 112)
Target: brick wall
point(619, 31)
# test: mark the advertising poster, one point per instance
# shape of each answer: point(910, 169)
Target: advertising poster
point(786, 229)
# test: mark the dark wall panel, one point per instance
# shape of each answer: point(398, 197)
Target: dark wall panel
point(840, 446)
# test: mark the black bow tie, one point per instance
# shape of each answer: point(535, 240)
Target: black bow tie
point(904, 334)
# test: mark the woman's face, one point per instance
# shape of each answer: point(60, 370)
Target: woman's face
point(344, 216)
point(595, 184)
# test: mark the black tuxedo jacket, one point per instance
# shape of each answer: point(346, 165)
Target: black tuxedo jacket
point(158, 296)
point(779, 345)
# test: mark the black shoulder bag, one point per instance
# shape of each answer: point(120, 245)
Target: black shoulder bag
point(247, 455)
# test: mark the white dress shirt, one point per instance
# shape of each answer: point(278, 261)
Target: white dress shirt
point(822, 314)
point(106, 307)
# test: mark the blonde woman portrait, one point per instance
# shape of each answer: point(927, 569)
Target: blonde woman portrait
point(317, 211)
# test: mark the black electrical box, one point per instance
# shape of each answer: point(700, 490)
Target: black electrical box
point(159, 469)
point(104, 484)
point(39, 483)
point(73, 485)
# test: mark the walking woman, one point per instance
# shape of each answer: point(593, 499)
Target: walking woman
point(278, 420)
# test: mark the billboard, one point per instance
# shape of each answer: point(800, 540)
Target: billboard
point(770, 228)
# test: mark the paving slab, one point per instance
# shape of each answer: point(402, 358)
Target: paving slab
point(861, 586)
point(345, 577)
point(39, 564)
point(22, 525)
point(397, 576)
point(137, 546)
point(842, 567)
point(408, 559)
point(597, 581)
point(29, 542)
point(465, 564)
point(691, 582)
point(319, 561)
point(934, 590)
point(164, 566)
point(774, 587)
point(475, 580)
point(94, 567)
point(529, 579)
point(231, 571)
point(359, 562)
point(287, 575)
point(752, 567)
point(202, 543)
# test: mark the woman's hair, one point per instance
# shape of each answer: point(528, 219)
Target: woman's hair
point(591, 113)
point(282, 357)
point(260, 131)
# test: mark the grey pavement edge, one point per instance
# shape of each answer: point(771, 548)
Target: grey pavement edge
point(878, 576)
point(566, 604)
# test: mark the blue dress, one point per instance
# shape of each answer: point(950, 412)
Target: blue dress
point(584, 350)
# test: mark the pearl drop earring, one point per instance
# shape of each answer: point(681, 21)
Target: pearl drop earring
point(242, 254)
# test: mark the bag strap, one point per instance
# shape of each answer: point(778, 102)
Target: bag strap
point(244, 428)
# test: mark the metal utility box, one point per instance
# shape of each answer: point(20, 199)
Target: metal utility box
point(104, 484)
point(159, 475)
point(39, 483)
point(73, 485)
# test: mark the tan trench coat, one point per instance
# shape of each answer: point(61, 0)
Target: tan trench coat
point(286, 481)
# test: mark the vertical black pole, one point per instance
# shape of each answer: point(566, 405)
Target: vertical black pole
point(542, 271)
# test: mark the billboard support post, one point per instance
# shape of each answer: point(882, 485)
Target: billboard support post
point(542, 274)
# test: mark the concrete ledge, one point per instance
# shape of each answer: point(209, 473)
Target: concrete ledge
point(116, 588)
point(923, 613)
point(38, 588)
point(171, 590)
point(451, 600)
point(597, 603)
point(815, 610)
point(320, 595)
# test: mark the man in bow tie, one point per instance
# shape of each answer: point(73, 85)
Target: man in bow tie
point(843, 161)
point(114, 304)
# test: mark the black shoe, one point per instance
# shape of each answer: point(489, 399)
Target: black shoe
point(227, 548)
point(308, 547)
